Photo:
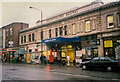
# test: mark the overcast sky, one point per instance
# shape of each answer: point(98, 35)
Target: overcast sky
point(14, 11)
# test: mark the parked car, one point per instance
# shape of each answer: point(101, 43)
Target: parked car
point(106, 63)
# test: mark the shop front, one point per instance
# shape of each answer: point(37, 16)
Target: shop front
point(111, 44)
point(61, 48)
point(89, 46)
point(8, 54)
point(19, 55)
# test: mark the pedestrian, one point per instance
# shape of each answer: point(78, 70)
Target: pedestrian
point(44, 59)
point(68, 60)
point(41, 59)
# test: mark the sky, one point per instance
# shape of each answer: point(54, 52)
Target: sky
point(19, 11)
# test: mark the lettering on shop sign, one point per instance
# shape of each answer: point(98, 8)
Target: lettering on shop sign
point(111, 34)
point(50, 40)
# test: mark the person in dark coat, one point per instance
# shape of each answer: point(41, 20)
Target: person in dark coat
point(41, 59)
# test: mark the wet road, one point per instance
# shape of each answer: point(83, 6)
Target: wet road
point(53, 72)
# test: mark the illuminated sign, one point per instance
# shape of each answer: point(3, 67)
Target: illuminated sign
point(108, 43)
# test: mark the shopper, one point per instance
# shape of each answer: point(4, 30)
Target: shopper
point(41, 59)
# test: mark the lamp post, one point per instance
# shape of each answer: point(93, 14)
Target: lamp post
point(41, 26)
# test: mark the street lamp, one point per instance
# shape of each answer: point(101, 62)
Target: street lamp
point(41, 25)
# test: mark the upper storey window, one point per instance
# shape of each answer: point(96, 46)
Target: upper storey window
point(119, 19)
point(11, 31)
point(110, 21)
point(56, 32)
point(65, 29)
point(73, 27)
point(29, 37)
point(87, 25)
point(61, 31)
point(33, 37)
point(7, 32)
point(50, 33)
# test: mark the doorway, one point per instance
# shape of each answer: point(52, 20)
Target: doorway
point(94, 52)
point(109, 52)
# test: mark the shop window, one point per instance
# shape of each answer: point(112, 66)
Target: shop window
point(87, 25)
point(61, 31)
point(94, 36)
point(56, 32)
point(25, 39)
point(50, 33)
point(119, 19)
point(21, 39)
point(73, 28)
point(33, 37)
point(65, 27)
point(29, 37)
point(110, 21)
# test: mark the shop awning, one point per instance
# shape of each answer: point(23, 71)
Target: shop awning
point(61, 40)
point(20, 51)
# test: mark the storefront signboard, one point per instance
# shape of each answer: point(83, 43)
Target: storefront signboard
point(111, 34)
point(63, 54)
point(55, 54)
point(83, 51)
point(108, 43)
point(79, 53)
point(51, 58)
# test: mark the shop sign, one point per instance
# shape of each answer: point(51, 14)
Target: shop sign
point(55, 54)
point(118, 41)
point(63, 54)
point(69, 46)
point(51, 58)
point(10, 44)
point(83, 51)
point(9, 49)
point(79, 53)
point(108, 43)
point(111, 34)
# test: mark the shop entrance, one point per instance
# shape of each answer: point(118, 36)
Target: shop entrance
point(71, 54)
point(109, 52)
point(94, 52)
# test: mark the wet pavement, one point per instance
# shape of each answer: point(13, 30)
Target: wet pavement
point(53, 72)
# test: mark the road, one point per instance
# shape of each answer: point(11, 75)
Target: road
point(53, 72)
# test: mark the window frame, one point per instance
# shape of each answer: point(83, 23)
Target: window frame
point(29, 37)
point(7, 32)
point(65, 30)
point(86, 25)
point(11, 31)
point(56, 32)
point(21, 39)
point(74, 28)
point(108, 21)
point(33, 37)
point(24, 38)
point(49, 33)
point(119, 19)
point(60, 31)
point(41, 35)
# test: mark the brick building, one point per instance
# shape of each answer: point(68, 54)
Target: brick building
point(86, 31)
point(10, 37)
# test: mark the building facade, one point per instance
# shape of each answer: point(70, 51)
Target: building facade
point(10, 38)
point(86, 32)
